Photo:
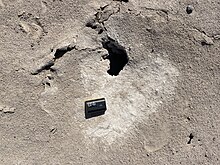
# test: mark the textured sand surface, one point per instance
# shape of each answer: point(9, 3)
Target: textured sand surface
point(162, 108)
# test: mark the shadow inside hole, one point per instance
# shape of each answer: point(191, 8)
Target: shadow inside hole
point(117, 56)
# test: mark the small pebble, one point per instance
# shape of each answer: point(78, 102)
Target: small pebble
point(49, 76)
point(217, 37)
point(90, 23)
point(2, 107)
point(189, 9)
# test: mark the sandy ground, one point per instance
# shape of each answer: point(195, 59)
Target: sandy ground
point(162, 108)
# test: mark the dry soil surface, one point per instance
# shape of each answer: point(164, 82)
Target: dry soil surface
point(157, 64)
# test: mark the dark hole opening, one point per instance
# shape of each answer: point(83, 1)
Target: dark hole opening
point(117, 56)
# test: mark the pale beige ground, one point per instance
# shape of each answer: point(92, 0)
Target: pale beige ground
point(169, 90)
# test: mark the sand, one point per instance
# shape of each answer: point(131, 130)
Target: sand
point(162, 105)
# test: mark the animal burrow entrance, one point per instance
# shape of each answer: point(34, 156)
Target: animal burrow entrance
point(117, 56)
